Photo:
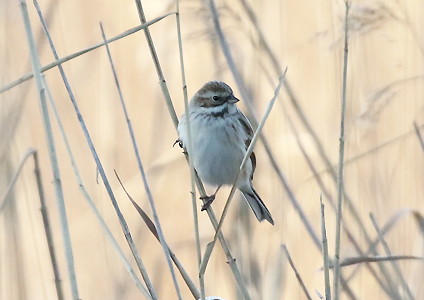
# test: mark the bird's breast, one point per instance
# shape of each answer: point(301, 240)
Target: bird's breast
point(218, 149)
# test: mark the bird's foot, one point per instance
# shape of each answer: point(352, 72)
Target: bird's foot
point(207, 201)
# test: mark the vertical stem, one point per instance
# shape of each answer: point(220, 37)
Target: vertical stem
point(155, 58)
point(100, 168)
point(299, 278)
point(47, 228)
point(189, 149)
point(341, 158)
point(85, 193)
point(143, 174)
point(52, 151)
point(325, 254)
point(396, 269)
point(420, 138)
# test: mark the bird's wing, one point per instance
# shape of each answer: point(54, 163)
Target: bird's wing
point(249, 133)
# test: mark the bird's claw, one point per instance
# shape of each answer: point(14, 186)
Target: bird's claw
point(207, 201)
point(179, 143)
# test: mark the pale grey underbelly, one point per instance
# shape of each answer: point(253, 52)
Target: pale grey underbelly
point(217, 159)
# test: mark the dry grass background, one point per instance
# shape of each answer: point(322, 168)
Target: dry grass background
point(385, 97)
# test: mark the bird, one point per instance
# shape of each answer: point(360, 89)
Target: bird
point(220, 136)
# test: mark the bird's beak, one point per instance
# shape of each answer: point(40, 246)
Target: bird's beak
point(232, 99)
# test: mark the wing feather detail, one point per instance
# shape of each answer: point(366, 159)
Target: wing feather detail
point(249, 132)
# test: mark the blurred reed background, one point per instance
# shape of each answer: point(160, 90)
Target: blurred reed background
point(384, 159)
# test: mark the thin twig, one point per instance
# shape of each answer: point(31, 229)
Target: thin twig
point(46, 222)
point(140, 166)
point(76, 54)
point(345, 226)
point(386, 228)
point(420, 138)
point(47, 228)
point(90, 202)
point(395, 267)
point(325, 253)
point(189, 143)
point(154, 231)
point(331, 168)
point(370, 151)
point(299, 111)
point(302, 285)
point(156, 62)
point(122, 221)
point(349, 261)
point(340, 188)
point(35, 63)
point(15, 177)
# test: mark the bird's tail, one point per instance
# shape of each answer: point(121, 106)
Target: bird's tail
point(256, 204)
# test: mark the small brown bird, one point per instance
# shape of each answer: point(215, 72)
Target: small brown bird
point(221, 135)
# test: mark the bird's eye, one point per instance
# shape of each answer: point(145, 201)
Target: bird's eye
point(216, 98)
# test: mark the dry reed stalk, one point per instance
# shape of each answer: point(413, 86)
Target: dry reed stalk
point(140, 166)
point(76, 54)
point(340, 187)
point(372, 150)
point(154, 231)
point(46, 221)
point(190, 162)
point(420, 138)
point(346, 226)
point(299, 278)
point(47, 227)
point(123, 223)
point(398, 272)
point(81, 185)
point(36, 69)
point(325, 254)
point(85, 194)
point(299, 111)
